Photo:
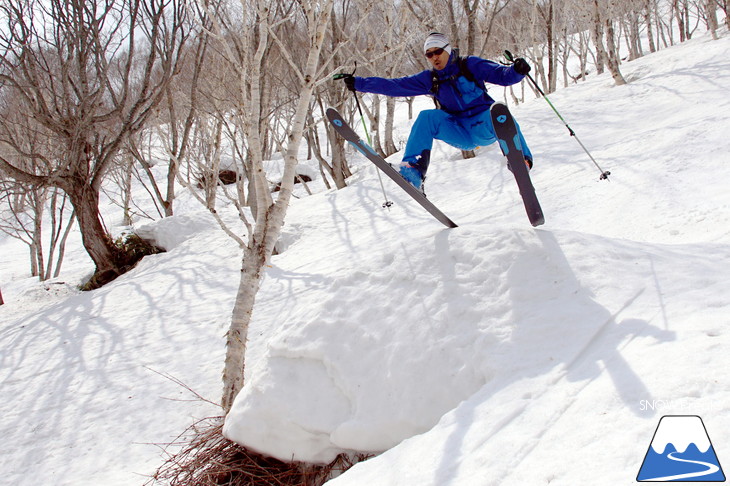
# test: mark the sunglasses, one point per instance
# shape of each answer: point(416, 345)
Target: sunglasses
point(436, 52)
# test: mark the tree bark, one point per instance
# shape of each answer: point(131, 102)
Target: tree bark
point(237, 336)
point(613, 56)
point(95, 238)
point(390, 147)
point(710, 12)
point(597, 35)
point(649, 27)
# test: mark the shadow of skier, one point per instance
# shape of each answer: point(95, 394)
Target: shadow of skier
point(556, 351)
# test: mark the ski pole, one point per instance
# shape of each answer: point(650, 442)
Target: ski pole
point(604, 173)
point(387, 203)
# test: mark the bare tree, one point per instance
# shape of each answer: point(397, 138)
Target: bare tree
point(602, 27)
point(23, 212)
point(725, 7)
point(547, 14)
point(26, 210)
point(174, 124)
point(710, 10)
point(90, 72)
point(245, 35)
point(21, 217)
point(647, 11)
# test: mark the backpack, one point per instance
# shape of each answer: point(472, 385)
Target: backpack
point(463, 71)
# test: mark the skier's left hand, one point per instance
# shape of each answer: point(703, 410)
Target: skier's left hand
point(521, 66)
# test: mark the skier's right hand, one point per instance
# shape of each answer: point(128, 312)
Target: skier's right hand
point(349, 80)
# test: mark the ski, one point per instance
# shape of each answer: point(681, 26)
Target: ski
point(509, 142)
point(349, 134)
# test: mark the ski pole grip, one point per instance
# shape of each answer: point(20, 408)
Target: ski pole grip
point(508, 55)
point(344, 75)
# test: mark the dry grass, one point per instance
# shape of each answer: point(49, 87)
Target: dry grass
point(206, 458)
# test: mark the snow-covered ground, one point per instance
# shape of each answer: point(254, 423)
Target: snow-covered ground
point(492, 353)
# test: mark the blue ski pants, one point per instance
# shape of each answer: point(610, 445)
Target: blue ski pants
point(465, 133)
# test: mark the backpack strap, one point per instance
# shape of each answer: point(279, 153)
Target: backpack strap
point(463, 71)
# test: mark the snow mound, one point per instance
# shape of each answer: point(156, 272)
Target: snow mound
point(171, 232)
point(380, 354)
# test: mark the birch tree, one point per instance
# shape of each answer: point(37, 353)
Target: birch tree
point(263, 18)
point(710, 8)
point(602, 27)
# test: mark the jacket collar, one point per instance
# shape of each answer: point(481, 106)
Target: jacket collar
point(451, 68)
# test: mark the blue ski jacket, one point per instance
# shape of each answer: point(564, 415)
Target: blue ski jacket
point(455, 93)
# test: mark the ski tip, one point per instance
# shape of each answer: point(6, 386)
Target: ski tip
point(333, 114)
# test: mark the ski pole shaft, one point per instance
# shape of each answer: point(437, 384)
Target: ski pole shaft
point(387, 203)
point(604, 173)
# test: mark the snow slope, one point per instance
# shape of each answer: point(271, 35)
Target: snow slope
point(529, 333)
point(492, 353)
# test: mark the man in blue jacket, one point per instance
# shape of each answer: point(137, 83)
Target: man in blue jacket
point(457, 84)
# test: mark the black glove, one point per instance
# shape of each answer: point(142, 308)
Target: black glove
point(521, 66)
point(349, 80)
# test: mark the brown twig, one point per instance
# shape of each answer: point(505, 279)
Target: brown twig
point(207, 458)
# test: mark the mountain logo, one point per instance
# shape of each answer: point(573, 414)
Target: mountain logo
point(680, 451)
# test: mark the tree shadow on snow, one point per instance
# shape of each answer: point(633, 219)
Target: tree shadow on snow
point(74, 373)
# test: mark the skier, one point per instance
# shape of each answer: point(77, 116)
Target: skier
point(457, 84)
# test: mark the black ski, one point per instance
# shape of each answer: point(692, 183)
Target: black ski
point(509, 142)
point(349, 134)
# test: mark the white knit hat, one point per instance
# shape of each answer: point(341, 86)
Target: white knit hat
point(436, 39)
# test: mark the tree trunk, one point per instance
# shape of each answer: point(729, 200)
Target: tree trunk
point(316, 150)
point(248, 287)
point(374, 117)
point(597, 34)
point(710, 12)
point(649, 27)
point(167, 203)
point(126, 187)
point(338, 159)
point(552, 54)
point(39, 201)
point(62, 244)
point(390, 147)
point(678, 15)
point(613, 56)
point(97, 242)
point(270, 220)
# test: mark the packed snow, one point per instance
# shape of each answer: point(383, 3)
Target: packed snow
point(492, 353)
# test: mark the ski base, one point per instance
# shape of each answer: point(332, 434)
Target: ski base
point(509, 142)
point(351, 136)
